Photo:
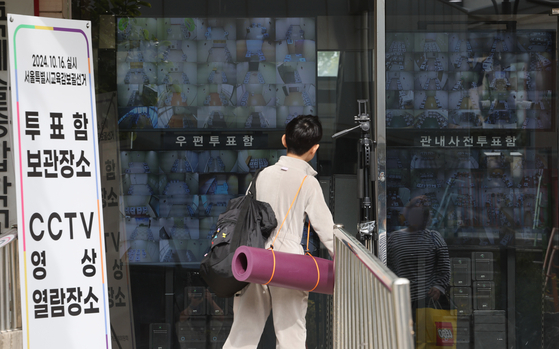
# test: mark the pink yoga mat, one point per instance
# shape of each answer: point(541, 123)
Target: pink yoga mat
point(293, 271)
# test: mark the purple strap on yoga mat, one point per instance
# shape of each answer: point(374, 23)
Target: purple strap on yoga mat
point(293, 271)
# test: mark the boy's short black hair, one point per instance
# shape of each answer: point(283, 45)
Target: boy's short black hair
point(302, 133)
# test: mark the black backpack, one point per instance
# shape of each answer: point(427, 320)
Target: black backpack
point(246, 221)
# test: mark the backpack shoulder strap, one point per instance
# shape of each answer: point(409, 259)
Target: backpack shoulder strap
point(239, 236)
point(252, 186)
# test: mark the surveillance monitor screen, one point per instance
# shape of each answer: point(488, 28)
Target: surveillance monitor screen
point(485, 79)
point(217, 73)
point(173, 198)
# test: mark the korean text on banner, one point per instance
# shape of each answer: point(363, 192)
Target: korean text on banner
point(60, 222)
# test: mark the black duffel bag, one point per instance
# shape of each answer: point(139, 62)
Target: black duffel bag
point(246, 221)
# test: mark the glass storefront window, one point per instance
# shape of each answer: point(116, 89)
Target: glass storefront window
point(471, 127)
point(471, 117)
point(199, 101)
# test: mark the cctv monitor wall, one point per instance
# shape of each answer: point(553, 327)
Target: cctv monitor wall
point(215, 73)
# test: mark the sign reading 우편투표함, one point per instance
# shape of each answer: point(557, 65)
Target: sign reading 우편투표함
point(60, 230)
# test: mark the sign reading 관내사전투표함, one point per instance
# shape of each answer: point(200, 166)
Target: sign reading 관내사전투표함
point(60, 229)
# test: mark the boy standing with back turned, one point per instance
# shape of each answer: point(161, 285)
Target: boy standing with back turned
point(278, 185)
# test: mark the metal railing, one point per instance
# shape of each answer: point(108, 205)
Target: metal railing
point(10, 316)
point(371, 305)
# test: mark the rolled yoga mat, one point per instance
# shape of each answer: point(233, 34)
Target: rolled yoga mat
point(293, 271)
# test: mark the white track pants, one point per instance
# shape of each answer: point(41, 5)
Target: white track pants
point(251, 308)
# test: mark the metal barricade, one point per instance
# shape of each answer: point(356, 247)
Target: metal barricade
point(371, 305)
point(10, 316)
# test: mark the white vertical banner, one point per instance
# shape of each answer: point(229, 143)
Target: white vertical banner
point(57, 184)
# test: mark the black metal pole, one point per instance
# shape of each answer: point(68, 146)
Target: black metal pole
point(366, 228)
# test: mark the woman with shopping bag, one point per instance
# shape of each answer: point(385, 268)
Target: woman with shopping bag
point(421, 256)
